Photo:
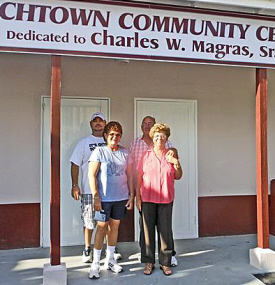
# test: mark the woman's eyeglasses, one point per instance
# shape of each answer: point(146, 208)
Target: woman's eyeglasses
point(114, 135)
point(161, 137)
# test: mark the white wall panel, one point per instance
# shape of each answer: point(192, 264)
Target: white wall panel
point(225, 96)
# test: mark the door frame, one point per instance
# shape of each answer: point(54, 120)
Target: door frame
point(195, 182)
point(43, 97)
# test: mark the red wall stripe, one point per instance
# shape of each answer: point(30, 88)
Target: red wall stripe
point(20, 225)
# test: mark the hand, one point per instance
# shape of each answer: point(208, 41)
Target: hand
point(169, 156)
point(76, 192)
point(97, 204)
point(173, 151)
point(138, 203)
point(130, 203)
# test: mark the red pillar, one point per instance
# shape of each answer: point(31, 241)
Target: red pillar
point(261, 151)
point(55, 160)
point(272, 207)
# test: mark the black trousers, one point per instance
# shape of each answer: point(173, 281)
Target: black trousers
point(142, 238)
point(157, 216)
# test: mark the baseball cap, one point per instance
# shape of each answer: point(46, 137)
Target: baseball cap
point(99, 115)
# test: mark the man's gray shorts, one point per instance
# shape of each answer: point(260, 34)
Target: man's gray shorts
point(87, 214)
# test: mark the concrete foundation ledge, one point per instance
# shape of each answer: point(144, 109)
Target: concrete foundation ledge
point(262, 258)
point(55, 275)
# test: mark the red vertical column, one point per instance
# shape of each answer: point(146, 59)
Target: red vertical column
point(55, 160)
point(272, 208)
point(261, 151)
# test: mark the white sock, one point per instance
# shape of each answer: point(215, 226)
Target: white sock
point(110, 252)
point(97, 255)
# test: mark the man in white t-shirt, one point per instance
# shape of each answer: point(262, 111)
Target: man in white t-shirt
point(80, 159)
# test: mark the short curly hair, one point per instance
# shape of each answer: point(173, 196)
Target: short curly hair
point(112, 126)
point(160, 128)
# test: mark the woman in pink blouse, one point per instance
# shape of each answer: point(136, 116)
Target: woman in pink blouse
point(157, 171)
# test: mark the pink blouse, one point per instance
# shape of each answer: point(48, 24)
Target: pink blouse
point(157, 184)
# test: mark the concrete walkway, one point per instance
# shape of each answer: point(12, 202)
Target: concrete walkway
point(218, 260)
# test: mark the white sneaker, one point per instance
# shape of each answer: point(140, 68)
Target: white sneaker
point(94, 271)
point(112, 264)
point(87, 255)
point(117, 254)
point(174, 261)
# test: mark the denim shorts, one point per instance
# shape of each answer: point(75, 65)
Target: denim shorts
point(114, 210)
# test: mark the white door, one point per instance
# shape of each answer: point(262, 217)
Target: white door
point(181, 116)
point(75, 124)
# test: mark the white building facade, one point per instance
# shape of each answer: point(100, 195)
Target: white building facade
point(191, 64)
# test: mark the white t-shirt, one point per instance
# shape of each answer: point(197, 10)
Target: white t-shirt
point(81, 155)
point(112, 177)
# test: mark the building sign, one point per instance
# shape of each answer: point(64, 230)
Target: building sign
point(141, 31)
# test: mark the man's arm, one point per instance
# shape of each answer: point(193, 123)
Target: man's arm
point(178, 172)
point(75, 191)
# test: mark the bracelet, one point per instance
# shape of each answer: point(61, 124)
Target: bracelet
point(96, 198)
point(75, 185)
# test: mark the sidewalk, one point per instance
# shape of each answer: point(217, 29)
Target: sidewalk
point(203, 261)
